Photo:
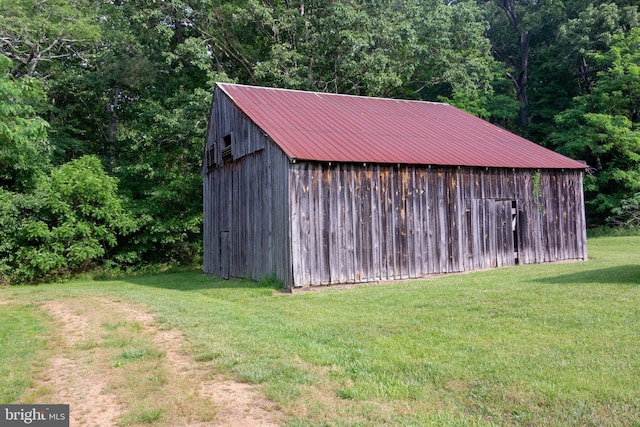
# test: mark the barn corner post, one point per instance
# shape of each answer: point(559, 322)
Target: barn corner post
point(208, 164)
point(582, 216)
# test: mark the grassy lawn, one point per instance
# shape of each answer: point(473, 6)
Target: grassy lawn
point(22, 329)
point(553, 344)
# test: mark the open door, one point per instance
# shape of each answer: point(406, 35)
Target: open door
point(493, 233)
point(514, 228)
point(506, 232)
point(498, 221)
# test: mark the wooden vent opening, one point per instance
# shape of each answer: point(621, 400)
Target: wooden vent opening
point(210, 156)
point(227, 155)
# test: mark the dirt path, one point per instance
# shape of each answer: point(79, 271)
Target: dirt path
point(83, 374)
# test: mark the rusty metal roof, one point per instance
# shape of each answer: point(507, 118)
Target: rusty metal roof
point(345, 128)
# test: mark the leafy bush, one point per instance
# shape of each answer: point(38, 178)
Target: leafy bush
point(627, 213)
point(9, 224)
point(66, 225)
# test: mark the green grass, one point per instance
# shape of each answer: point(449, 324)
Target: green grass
point(551, 344)
point(22, 329)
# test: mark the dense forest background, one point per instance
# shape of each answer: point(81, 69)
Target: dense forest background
point(104, 103)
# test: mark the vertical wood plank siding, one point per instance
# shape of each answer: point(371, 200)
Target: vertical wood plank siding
point(246, 211)
point(386, 222)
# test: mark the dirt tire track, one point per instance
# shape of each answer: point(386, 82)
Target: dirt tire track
point(81, 377)
point(79, 382)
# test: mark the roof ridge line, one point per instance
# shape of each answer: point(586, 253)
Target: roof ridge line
point(221, 84)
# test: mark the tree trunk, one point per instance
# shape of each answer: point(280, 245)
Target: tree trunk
point(522, 81)
point(520, 74)
point(113, 124)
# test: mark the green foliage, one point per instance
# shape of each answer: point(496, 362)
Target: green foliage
point(627, 214)
point(536, 192)
point(368, 48)
point(36, 34)
point(68, 223)
point(601, 128)
point(147, 93)
point(519, 30)
point(590, 33)
point(24, 148)
point(565, 65)
point(618, 90)
point(612, 149)
point(455, 54)
point(130, 82)
point(9, 225)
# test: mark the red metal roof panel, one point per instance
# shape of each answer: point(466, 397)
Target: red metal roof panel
point(345, 128)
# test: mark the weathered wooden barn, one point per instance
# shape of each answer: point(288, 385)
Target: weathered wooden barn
point(320, 189)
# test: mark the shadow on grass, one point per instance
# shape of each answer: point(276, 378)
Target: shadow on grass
point(196, 280)
point(623, 275)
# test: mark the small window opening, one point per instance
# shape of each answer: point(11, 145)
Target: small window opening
point(210, 157)
point(227, 156)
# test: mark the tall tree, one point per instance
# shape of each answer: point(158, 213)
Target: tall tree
point(140, 102)
point(455, 62)
point(602, 127)
point(516, 28)
point(347, 47)
point(415, 48)
point(591, 32)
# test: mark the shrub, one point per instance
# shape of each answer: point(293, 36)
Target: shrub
point(66, 225)
point(627, 213)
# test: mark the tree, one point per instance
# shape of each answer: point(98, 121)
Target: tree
point(34, 32)
point(140, 102)
point(516, 28)
point(346, 47)
point(564, 67)
point(602, 127)
point(612, 150)
point(592, 32)
point(627, 213)
point(618, 85)
point(24, 147)
point(411, 48)
point(456, 65)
